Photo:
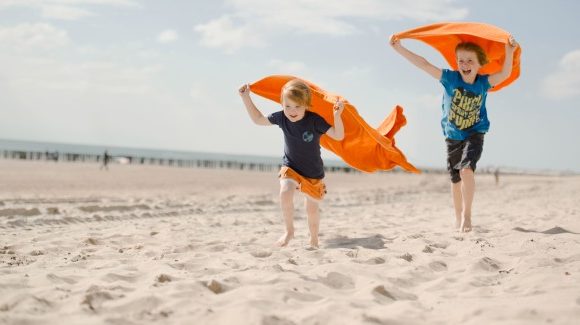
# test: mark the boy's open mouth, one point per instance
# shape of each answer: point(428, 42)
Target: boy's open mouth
point(293, 116)
point(466, 71)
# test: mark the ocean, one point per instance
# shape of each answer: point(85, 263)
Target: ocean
point(62, 148)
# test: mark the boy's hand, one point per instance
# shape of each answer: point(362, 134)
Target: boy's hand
point(394, 40)
point(338, 107)
point(512, 41)
point(244, 90)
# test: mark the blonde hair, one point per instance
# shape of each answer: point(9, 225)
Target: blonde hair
point(472, 47)
point(297, 91)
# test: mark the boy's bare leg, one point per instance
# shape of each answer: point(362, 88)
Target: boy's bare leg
point(457, 202)
point(468, 192)
point(287, 188)
point(313, 214)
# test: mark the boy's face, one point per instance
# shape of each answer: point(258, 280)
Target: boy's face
point(468, 65)
point(293, 111)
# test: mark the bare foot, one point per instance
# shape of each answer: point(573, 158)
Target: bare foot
point(458, 223)
point(314, 243)
point(465, 224)
point(285, 239)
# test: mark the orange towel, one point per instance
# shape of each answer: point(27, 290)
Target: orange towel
point(444, 37)
point(363, 147)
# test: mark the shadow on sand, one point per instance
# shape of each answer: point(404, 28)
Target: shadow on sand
point(551, 231)
point(372, 242)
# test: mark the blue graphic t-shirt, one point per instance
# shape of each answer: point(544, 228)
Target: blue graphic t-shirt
point(464, 111)
point(302, 142)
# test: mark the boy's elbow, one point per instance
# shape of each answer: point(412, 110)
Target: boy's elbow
point(339, 137)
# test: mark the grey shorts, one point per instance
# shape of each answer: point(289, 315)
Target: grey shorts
point(463, 154)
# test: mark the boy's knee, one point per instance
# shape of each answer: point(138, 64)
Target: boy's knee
point(287, 187)
point(466, 171)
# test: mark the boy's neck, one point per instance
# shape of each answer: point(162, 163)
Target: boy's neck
point(470, 82)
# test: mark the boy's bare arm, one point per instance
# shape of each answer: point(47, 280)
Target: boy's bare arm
point(506, 70)
point(336, 132)
point(253, 111)
point(419, 61)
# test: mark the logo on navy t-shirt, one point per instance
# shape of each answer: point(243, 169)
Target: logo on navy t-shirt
point(307, 136)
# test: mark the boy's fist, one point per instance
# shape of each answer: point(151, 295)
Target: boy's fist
point(244, 89)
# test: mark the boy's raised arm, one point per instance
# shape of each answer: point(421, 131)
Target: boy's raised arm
point(506, 70)
point(419, 61)
point(253, 111)
point(336, 132)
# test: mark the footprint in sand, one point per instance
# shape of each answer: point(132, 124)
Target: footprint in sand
point(407, 257)
point(96, 296)
point(487, 264)
point(486, 281)
point(261, 253)
point(275, 320)
point(375, 261)
point(438, 266)
point(216, 287)
point(300, 296)
point(60, 279)
point(113, 277)
point(428, 249)
point(392, 294)
point(162, 278)
point(337, 280)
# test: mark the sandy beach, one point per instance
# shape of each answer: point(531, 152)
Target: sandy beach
point(150, 244)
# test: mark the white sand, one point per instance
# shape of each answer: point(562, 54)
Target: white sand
point(140, 245)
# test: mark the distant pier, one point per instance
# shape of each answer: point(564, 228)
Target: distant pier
point(54, 156)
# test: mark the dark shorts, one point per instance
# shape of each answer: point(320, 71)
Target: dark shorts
point(463, 154)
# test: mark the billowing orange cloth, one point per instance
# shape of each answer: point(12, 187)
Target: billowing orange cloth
point(363, 147)
point(444, 37)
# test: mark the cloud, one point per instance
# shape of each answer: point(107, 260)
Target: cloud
point(252, 22)
point(287, 67)
point(33, 36)
point(65, 9)
point(222, 33)
point(564, 83)
point(167, 36)
point(64, 12)
point(32, 75)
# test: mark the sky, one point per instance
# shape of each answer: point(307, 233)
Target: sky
point(164, 74)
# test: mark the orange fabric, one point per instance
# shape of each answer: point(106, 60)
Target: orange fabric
point(444, 37)
point(363, 147)
point(315, 188)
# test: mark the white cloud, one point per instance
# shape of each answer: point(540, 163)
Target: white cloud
point(287, 67)
point(30, 36)
point(167, 36)
point(259, 20)
point(65, 9)
point(222, 33)
point(565, 81)
point(63, 12)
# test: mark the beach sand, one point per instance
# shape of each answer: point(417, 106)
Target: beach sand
point(150, 244)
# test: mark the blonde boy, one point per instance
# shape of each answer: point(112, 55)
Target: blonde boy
point(302, 164)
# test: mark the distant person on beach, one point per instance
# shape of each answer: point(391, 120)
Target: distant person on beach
point(464, 120)
point(106, 160)
point(496, 176)
point(302, 164)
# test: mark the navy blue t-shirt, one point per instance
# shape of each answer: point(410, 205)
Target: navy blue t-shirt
point(302, 142)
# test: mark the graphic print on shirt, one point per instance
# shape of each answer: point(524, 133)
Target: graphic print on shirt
point(307, 136)
point(465, 105)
